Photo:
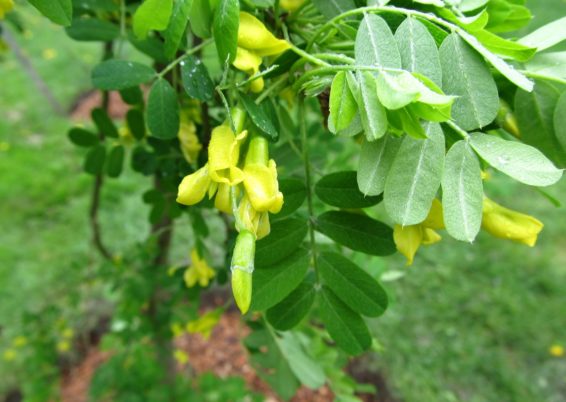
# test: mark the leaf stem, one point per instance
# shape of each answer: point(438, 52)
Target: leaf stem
point(463, 133)
point(193, 50)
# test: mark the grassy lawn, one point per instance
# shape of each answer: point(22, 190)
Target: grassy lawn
point(467, 323)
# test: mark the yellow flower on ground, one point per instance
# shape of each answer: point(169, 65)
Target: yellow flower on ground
point(255, 42)
point(181, 357)
point(194, 187)
point(291, 5)
point(20, 341)
point(408, 239)
point(205, 323)
point(199, 271)
point(556, 350)
point(5, 6)
point(190, 144)
point(508, 224)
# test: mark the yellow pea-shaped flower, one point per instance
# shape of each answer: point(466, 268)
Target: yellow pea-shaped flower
point(194, 187)
point(199, 271)
point(223, 155)
point(190, 144)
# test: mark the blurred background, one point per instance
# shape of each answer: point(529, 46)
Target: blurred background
point(468, 323)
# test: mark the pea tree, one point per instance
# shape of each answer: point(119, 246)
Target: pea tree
point(274, 128)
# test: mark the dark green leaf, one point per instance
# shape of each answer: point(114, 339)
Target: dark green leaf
point(196, 79)
point(273, 283)
point(225, 29)
point(104, 124)
point(290, 311)
point(136, 123)
point(143, 161)
point(82, 137)
point(92, 29)
point(162, 113)
point(352, 285)
point(341, 190)
point(376, 158)
point(152, 46)
point(285, 237)
point(94, 160)
point(294, 194)
point(261, 116)
point(132, 96)
point(58, 11)
point(120, 74)
point(152, 15)
point(201, 18)
point(115, 161)
point(358, 232)
point(345, 326)
point(177, 25)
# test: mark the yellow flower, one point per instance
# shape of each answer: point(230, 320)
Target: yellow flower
point(222, 200)
point(254, 42)
point(205, 323)
point(408, 239)
point(49, 54)
point(508, 224)
point(252, 220)
point(20, 341)
point(190, 144)
point(63, 346)
point(181, 357)
point(68, 333)
point(262, 187)
point(9, 355)
point(126, 135)
point(291, 5)
point(194, 187)
point(5, 6)
point(556, 350)
point(177, 329)
point(199, 272)
point(224, 154)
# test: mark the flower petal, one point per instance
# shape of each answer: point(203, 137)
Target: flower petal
point(193, 188)
point(408, 239)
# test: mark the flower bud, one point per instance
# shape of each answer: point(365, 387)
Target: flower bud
point(193, 188)
point(242, 267)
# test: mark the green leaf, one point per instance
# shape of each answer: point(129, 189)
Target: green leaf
point(505, 47)
point(305, 368)
point(152, 46)
point(342, 104)
point(414, 177)
point(507, 15)
point(549, 66)
point(115, 161)
point(58, 11)
point(82, 137)
point(290, 311)
point(177, 25)
point(519, 161)
point(418, 50)
point(162, 113)
point(120, 74)
point(136, 123)
point(332, 8)
point(560, 120)
point(196, 80)
point(346, 327)
point(261, 116)
point(462, 192)
point(132, 95)
point(357, 232)
point(201, 18)
point(466, 75)
point(104, 123)
point(375, 45)
point(273, 283)
point(352, 285)
point(92, 29)
point(547, 35)
point(372, 112)
point(341, 190)
point(225, 29)
point(396, 90)
point(94, 160)
point(535, 116)
point(294, 194)
point(285, 237)
point(376, 158)
point(151, 15)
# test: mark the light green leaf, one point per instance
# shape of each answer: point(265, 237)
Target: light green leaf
point(376, 158)
point(414, 177)
point(470, 5)
point(418, 50)
point(196, 80)
point(305, 368)
point(396, 90)
point(225, 29)
point(462, 192)
point(372, 112)
point(358, 232)
point(546, 36)
point(465, 75)
point(346, 327)
point(290, 311)
point(58, 11)
point(517, 160)
point(535, 115)
point(560, 120)
point(332, 8)
point(505, 47)
point(507, 15)
point(177, 25)
point(273, 283)
point(286, 236)
point(352, 285)
point(549, 66)
point(120, 74)
point(341, 190)
point(151, 15)
point(162, 113)
point(342, 103)
point(92, 29)
point(375, 45)
point(201, 18)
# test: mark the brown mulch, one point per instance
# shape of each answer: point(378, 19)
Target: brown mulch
point(83, 105)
